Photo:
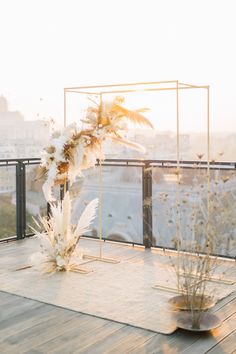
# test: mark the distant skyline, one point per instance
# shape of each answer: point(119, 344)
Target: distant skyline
point(47, 45)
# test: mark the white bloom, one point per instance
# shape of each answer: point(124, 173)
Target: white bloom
point(56, 135)
point(47, 191)
point(52, 172)
point(60, 261)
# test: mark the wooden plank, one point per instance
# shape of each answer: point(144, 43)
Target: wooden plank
point(6, 298)
point(185, 341)
point(53, 331)
point(160, 343)
point(180, 339)
point(224, 301)
point(227, 345)
point(26, 320)
point(120, 341)
point(80, 337)
point(47, 330)
point(227, 310)
point(132, 341)
point(207, 341)
point(30, 337)
point(17, 307)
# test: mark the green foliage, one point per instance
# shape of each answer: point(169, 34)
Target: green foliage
point(8, 216)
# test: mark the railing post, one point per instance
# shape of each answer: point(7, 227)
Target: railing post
point(20, 200)
point(48, 210)
point(147, 205)
point(63, 189)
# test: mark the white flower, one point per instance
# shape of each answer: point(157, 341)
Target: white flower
point(52, 172)
point(60, 261)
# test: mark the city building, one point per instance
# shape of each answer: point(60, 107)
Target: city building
point(20, 138)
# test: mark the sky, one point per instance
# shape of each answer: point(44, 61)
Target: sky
point(47, 45)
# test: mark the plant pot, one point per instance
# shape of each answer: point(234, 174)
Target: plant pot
point(207, 322)
point(182, 302)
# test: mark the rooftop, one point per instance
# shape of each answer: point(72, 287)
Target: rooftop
point(118, 302)
point(115, 308)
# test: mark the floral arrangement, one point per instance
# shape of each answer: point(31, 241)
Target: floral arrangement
point(204, 223)
point(59, 239)
point(73, 150)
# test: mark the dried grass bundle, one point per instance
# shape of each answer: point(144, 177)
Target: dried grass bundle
point(201, 233)
point(58, 238)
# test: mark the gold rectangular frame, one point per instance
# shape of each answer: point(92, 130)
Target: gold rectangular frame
point(169, 85)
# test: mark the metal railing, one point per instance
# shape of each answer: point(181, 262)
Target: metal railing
point(20, 189)
point(147, 167)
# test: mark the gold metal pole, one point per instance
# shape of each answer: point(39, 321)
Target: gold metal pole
point(100, 257)
point(136, 90)
point(65, 107)
point(178, 222)
point(83, 92)
point(208, 167)
point(101, 243)
point(177, 125)
point(147, 83)
point(208, 135)
point(100, 193)
point(122, 85)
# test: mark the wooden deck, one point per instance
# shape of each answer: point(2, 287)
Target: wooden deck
point(33, 327)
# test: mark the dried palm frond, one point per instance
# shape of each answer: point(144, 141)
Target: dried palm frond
point(87, 216)
point(128, 143)
point(40, 173)
point(141, 110)
point(133, 116)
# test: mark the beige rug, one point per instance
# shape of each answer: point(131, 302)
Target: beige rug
point(122, 292)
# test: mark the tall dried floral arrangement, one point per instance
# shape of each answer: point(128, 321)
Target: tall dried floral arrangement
point(211, 224)
point(203, 222)
point(70, 152)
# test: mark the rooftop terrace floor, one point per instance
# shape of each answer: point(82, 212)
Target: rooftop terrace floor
point(100, 312)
